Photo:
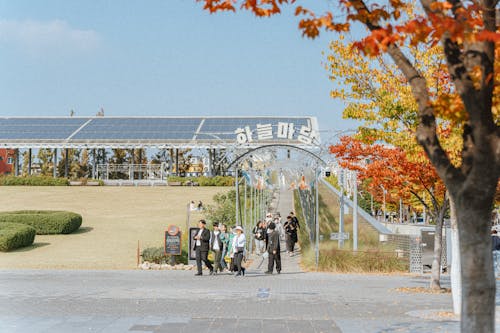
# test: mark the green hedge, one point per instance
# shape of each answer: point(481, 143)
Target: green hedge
point(157, 255)
point(204, 181)
point(33, 181)
point(14, 235)
point(45, 222)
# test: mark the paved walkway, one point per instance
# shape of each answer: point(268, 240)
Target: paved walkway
point(176, 301)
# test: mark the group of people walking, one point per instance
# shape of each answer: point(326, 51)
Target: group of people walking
point(286, 231)
point(224, 242)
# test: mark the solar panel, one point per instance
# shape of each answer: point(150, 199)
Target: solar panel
point(130, 131)
point(139, 128)
point(39, 128)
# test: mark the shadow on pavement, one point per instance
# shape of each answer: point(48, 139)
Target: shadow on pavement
point(31, 247)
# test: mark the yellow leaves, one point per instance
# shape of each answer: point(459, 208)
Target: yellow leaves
point(476, 75)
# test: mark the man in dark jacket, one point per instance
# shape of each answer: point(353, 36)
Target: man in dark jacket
point(201, 246)
point(273, 250)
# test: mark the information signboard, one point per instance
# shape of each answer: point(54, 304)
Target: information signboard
point(339, 236)
point(173, 244)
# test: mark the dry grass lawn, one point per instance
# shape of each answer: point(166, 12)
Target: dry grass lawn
point(114, 219)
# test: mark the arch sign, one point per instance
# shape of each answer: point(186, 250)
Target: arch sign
point(287, 131)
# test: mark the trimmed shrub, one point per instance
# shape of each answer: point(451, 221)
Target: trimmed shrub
point(33, 181)
point(157, 255)
point(204, 181)
point(14, 235)
point(45, 222)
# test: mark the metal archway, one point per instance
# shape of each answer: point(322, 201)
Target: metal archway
point(315, 157)
point(243, 157)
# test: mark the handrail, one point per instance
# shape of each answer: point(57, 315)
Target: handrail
point(370, 219)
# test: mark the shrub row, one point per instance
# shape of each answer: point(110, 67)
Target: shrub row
point(33, 181)
point(157, 255)
point(204, 181)
point(45, 222)
point(13, 236)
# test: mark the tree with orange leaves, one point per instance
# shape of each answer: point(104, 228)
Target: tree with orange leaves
point(467, 31)
point(390, 168)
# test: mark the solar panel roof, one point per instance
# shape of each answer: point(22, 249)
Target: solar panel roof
point(130, 132)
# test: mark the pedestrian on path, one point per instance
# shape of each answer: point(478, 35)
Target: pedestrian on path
point(217, 247)
point(273, 250)
point(201, 246)
point(239, 243)
point(291, 235)
point(259, 233)
point(224, 237)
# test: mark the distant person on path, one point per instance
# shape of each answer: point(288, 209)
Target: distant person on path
point(201, 246)
point(217, 247)
point(224, 237)
point(192, 206)
point(495, 247)
point(232, 234)
point(259, 233)
point(239, 250)
point(295, 220)
point(200, 205)
point(279, 226)
point(291, 234)
point(273, 250)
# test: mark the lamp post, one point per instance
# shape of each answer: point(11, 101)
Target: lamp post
point(383, 192)
point(355, 214)
point(341, 210)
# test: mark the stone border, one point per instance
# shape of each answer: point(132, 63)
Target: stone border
point(152, 266)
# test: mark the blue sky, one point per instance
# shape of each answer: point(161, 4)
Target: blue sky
point(165, 58)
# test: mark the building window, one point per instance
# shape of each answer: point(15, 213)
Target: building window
point(10, 160)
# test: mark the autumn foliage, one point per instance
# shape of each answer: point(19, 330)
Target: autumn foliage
point(382, 167)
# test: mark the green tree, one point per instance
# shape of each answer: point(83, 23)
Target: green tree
point(45, 157)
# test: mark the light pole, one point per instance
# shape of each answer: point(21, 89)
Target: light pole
point(341, 210)
point(383, 192)
point(316, 184)
point(355, 215)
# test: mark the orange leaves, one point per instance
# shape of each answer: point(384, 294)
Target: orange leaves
point(218, 5)
point(440, 6)
point(311, 26)
point(377, 42)
point(261, 8)
point(386, 166)
point(486, 35)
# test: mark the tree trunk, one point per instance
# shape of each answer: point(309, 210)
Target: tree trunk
point(478, 282)
point(455, 275)
point(438, 249)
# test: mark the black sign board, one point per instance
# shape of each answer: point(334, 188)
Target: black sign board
point(173, 244)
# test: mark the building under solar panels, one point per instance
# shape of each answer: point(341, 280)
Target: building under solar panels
point(218, 137)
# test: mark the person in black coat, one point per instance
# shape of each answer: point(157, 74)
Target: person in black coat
point(273, 250)
point(201, 246)
point(290, 234)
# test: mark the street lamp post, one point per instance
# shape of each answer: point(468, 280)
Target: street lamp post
point(355, 215)
point(341, 217)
